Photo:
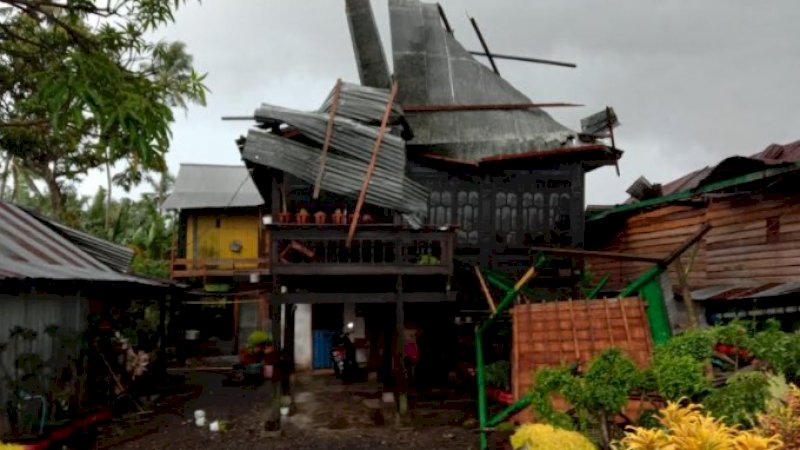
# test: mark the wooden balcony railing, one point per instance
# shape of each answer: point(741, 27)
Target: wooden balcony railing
point(375, 250)
point(210, 267)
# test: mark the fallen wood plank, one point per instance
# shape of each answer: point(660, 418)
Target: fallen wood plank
point(371, 168)
point(328, 133)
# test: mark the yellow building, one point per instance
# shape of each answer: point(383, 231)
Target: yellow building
point(221, 252)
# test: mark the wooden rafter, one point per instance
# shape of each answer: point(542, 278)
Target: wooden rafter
point(485, 288)
point(328, 134)
point(371, 168)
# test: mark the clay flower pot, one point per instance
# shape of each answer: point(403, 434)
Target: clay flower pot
point(284, 217)
point(320, 217)
point(302, 217)
point(338, 217)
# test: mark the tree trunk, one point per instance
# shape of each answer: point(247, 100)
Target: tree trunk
point(6, 169)
point(108, 191)
point(56, 195)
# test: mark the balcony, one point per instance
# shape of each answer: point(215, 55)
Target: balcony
point(216, 267)
point(375, 250)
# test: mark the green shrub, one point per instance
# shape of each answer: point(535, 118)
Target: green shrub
point(257, 338)
point(743, 396)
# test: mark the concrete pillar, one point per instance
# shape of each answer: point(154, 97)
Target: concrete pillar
point(303, 341)
point(359, 330)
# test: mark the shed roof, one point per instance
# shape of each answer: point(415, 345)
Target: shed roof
point(117, 257)
point(745, 291)
point(30, 249)
point(200, 186)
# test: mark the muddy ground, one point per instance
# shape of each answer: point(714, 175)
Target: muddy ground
point(326, 415)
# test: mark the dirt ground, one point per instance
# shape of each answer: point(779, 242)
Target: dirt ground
point(326, 415)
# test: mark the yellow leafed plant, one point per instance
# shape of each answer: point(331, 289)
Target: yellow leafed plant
point(689, 428)
point(537, 436)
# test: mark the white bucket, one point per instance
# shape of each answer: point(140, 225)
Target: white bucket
point(214, 426)
point(200, 418)
point(191, 335)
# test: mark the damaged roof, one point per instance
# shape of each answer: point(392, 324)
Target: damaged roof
point(774, 160)
point(432, 67)
point(773, 155)
point(200, 186)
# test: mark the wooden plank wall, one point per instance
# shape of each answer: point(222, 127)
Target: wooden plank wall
point(566, 332)
point(757, 239)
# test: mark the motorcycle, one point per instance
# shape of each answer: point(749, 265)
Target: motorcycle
point(343, 355)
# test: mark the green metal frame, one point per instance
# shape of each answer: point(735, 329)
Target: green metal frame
point(724, 184)
point(512, 290)
point(647, 286)
point(596, 290)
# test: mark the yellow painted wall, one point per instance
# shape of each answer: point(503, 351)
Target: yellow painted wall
point(214, 242)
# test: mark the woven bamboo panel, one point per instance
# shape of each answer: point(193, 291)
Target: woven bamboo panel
point(574, 331)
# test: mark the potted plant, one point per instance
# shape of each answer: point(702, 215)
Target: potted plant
point(259, 344)
point(320, 217)
point(302, 216)
point(338, 217)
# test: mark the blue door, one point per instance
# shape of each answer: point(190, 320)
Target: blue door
point(323, 343)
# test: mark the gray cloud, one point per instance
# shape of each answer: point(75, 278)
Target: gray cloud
point(692, 82)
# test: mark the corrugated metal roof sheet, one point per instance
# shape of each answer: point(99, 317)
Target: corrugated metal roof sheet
point(745, 291)
point(117, 257)
point(29, 249)
point(343, 174)
point(432, 67)
point(201, 186)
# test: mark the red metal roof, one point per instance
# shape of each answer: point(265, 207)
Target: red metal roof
point(745, 291)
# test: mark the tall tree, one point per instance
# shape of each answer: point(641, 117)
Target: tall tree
point(81, 87)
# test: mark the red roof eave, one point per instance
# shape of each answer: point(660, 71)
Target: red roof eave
point(535, 154)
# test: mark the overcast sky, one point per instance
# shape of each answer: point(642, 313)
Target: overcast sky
point(691, 81)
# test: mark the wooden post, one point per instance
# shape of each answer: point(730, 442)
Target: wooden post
point(163, 303)
point(371, 167)
point(328, 134)
point(401, 383)
point(236, 342)
point(683, 281)
point(485, 289)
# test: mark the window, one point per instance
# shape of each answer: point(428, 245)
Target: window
point(532, 212)
point(441, 207)
point(505, 217)
point(467, 204)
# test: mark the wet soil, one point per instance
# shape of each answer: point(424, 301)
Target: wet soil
point(326, 414)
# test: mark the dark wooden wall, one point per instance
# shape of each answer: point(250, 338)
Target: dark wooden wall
point(505, 211)
point(755, 238)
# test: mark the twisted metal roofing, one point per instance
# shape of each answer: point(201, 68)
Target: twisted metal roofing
point(432, 67)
